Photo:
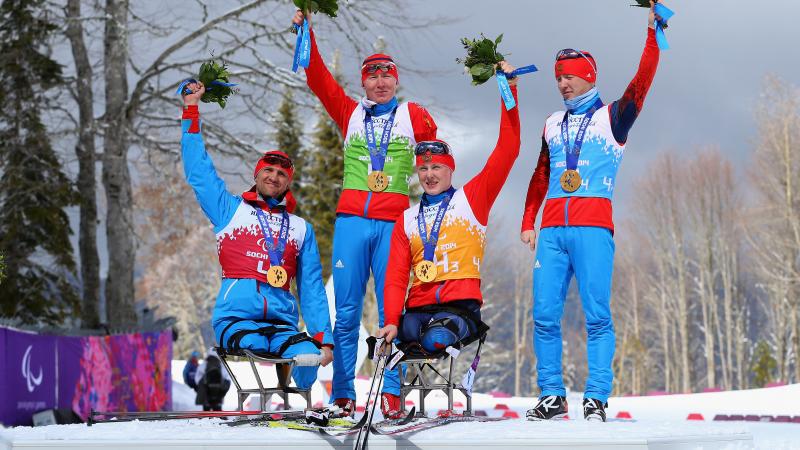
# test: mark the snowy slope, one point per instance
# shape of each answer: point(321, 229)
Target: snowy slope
point(658, 419)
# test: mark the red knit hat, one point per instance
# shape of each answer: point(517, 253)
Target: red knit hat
point(578, 63)
point(279, 156)
point(252, 194)
point(379, 58)
point(437, 158)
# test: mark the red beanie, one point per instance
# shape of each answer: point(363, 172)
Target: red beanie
point(429, 157)
point(582, 67)
point(291, 202)
point(263, 163)
point(379, 58)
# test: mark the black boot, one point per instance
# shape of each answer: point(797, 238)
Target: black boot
point(594, 410)
point(550, 407)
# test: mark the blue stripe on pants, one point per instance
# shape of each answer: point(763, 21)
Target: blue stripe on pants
point(588, 253)
point(361, 245)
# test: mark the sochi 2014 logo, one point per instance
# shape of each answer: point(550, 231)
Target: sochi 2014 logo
point(32, 381)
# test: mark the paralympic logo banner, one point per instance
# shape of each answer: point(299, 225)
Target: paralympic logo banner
point(125, 372)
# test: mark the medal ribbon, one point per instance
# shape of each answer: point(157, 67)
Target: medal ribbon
point(665, 14)
point(378, 156)
point(505, 89)
point(429, 241)
point(302, 47)
point(275, 247)
point(574, 152)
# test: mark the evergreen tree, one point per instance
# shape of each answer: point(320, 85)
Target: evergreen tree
point(323, 184)
point(34, 229)
point(764, 365)
point(287, 136)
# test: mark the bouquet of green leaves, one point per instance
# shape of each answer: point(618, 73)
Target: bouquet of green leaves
point(482, 58)
point(642, 3)
point(329, 7)
point(214, 76)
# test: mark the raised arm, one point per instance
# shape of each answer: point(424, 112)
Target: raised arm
point(333, 97)
point(209, 189)
point(311, 290)
point(624, 111)
point(483, 189)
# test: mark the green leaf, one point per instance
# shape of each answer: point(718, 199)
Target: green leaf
point(327, 7)
point(642, 3)
point(482, 57)
point(211, 71)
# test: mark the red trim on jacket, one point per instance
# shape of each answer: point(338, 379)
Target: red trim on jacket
point(382, 205)
point(481, 192)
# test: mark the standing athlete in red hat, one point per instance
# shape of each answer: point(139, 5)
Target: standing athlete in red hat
point(262, 247)
point(582, 149)
point(379, 138)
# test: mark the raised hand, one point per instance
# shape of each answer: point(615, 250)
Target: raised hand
point(507, 68)
point(197, 90)
point(299, 16)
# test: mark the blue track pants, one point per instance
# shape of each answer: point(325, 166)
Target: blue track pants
point(359, 245)
point(588, 253)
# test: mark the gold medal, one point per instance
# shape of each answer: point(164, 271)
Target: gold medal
point(378, 181)
point(277, 276)
point(426, 271)
point(570, 180)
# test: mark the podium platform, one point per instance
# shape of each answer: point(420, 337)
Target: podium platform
point(510, 434)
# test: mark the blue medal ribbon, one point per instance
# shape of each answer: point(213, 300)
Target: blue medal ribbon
point(505, 89)
point(275, 247)
point(574, 152)
point(665, 14)
point(429, 240)
point(302, 47)
point(378, 156)
point(522, 70)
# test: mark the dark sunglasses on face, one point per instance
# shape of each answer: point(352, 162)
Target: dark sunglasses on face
point(372, 68)
point(433, 147)
point(277, 160)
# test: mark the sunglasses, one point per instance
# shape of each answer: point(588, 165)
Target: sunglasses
point(372, 68)
point(433, 147)
point(278, 160)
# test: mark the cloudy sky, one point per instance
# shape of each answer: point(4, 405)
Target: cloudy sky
point(704, 93)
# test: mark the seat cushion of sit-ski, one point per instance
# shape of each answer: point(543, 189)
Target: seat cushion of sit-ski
point(414, 351)
point(243, 353)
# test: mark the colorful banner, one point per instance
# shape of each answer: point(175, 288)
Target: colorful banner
point(126, 372)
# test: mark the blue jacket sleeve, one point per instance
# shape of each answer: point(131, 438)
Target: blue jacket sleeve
point(216, 202)
point(311, 290)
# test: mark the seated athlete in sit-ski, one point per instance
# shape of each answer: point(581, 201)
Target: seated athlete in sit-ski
point(442, 240)
point(262, 247)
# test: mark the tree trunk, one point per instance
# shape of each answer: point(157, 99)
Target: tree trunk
point(116, 176)
point(85, 150)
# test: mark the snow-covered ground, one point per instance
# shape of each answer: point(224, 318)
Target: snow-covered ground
point(657, 419)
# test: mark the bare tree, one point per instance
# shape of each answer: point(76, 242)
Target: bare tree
point(775, 231)
point(661, 203)
point(86, 183)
